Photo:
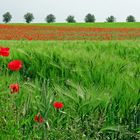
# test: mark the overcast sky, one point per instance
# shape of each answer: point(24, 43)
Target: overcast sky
point(62, 8)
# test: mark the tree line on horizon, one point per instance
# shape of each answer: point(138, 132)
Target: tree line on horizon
point(29, 17)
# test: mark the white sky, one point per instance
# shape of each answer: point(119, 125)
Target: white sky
point(62, 8)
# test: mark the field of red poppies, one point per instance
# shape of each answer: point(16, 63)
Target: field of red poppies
point(32, 32)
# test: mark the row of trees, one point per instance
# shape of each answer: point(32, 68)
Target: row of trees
point(71, 19)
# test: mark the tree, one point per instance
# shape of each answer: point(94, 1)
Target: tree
point(50, 18)
point(28, 17)
point(70, 19)
point(89, 18)
point(7, 17)
point(130, 18)
point(111, 19)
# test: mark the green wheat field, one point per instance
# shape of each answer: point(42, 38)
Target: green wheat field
point(97, 81)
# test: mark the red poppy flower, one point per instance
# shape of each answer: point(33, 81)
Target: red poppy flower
point(58, 105)
point(38, 118)
point(4, 51)
point(15, 65)
point(30, 38)
point(14, 88)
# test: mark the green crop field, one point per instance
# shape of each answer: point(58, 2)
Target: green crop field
point(97, 24)
point(97, 81)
